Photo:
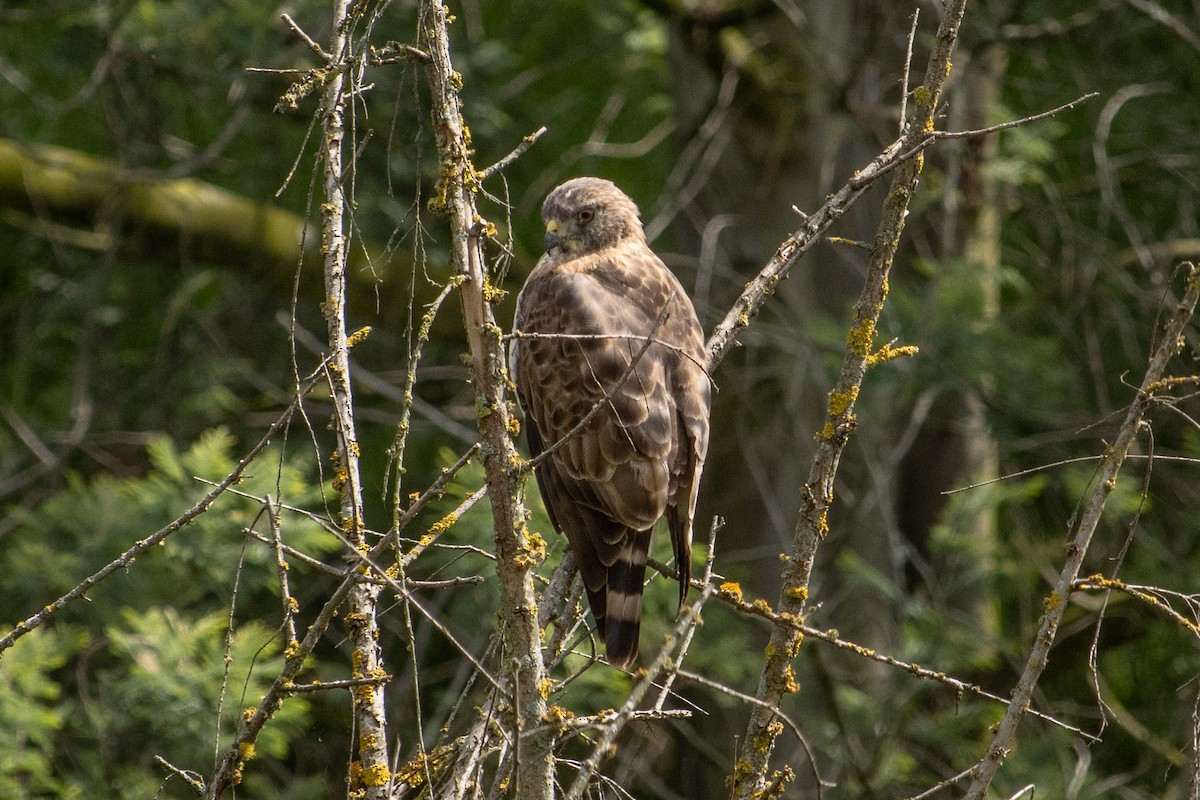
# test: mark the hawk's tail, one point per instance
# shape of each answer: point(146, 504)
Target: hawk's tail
point(618, 606)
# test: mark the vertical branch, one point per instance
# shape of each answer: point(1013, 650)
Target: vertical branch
point(517, 550)
point(751, 777)
point(371, 769)
point(1056, 603)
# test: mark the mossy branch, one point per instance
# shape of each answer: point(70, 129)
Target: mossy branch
point(532, 771)
point(1055, 604)
point(371, 771)
point(905, 160)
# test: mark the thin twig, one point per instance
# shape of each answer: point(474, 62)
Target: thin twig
point(1003, 126)
point(706, 579)
point(908, 54)
point(192, 779)
point(395, 53)
point(304, 37)
point(395, 467)
point(125, 559)
point(1146, 594)
point(290, 605)
point(323, 686)
point(1063, 463)
point(937, 787)
point(518, 151)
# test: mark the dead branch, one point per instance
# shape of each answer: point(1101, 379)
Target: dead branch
point(374, 774)
point(1055, 603)
point(751, 773)
point(518, 551)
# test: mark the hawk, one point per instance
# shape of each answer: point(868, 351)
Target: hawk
point(604, 329)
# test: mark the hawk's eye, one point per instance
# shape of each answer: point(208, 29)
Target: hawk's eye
point(585, 216)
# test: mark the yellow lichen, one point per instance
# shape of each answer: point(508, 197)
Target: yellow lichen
point(789, 680)
point(492, 293)
point(443, 524)
point(533, 551)
point(741, 771)
point(557, 714)
point(731, 589)
point(887, 353)
point(375, 776)
point(840, 402)
point(861, 336)
point(358, 336)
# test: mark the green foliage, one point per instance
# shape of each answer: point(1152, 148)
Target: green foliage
point(169, 678)
point(33, 713)
point(153, 650)
point(78, 531)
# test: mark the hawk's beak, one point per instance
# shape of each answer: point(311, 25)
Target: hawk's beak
point(552, 237)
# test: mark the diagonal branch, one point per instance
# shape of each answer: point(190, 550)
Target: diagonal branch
point(751, 774)
point(1056, 602)
point(125, 559)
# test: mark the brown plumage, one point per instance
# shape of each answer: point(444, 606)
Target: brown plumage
point(592, 299)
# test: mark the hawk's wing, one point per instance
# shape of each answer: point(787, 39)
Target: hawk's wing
point(641, 453)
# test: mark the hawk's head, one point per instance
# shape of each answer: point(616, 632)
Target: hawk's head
point(588, 214)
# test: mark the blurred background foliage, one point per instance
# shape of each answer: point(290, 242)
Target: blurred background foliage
point(151, 214)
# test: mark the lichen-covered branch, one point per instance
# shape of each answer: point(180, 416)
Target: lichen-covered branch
point(1055, 603)
point(518, 551)
point(370, 773)
point(751, 776)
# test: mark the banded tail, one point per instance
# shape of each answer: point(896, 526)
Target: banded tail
point(617, 605)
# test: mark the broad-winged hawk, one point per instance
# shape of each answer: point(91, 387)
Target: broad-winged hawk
point(608, 325)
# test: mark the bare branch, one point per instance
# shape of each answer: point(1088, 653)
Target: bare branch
point(373, 773)
point(1056, 602)
point(304, 37)
point(908, 54)
point(751, 772)
point(520, 150)
point(1003, 126)
point(396, 53)
point(518, 550)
